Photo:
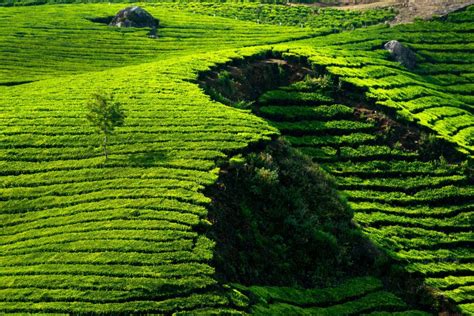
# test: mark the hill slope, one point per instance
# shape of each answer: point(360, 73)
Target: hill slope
point(437, 94)
point(83, 236)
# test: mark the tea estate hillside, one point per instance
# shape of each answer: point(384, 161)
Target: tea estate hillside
point(258, 159)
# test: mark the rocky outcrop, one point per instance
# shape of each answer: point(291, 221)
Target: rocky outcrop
point(401, 54)
point(135, 17)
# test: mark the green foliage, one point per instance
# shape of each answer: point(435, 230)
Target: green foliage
point(309, 84)
point(351, 288)
point(301, 16)
point(323, 126)
point(105, 114)
point(354, 296)
point(322, 112)
point(283, 222)
point(224, 80)
point(380, 299)
point(282, 97)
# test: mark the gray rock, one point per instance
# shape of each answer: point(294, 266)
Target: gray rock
point(401, 54)
point(135, 17)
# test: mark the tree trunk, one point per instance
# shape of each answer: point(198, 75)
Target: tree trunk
point(105, 147)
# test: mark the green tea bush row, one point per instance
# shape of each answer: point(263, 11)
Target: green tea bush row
point(322, 112)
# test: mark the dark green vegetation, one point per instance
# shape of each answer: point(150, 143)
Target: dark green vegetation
point(280, 221)
point(127, 236)
point(364, 295)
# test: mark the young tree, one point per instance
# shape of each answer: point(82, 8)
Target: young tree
point(105, 114)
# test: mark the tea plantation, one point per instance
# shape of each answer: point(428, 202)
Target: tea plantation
point(130, 234)
point(420, 211)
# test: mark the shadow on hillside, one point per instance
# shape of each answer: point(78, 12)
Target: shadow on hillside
point(15, 83)
point(278, 217)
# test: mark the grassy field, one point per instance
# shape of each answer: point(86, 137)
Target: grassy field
point(80, 235)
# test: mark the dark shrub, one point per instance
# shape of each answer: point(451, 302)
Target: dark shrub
point(278, 219)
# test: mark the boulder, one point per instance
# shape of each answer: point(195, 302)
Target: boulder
point(134, 17)
point(401, 54)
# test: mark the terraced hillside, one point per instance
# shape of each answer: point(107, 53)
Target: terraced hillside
point(358, 296)
point(316, 18)
point(80, 235)
point(42, 42)
point(437, 94)
point(418, 208)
